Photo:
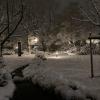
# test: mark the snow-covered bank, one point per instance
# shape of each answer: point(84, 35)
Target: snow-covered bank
point(70, 75)
point(7, 86)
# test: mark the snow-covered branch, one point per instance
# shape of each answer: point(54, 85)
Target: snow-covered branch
point(81, 20)
point(89, 19)
point(88, 16)
point(95, 6)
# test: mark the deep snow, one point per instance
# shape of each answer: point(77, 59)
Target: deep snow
point(69, 74)
point(7, 86)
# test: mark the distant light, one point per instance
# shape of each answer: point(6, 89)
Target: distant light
point(34, 40)
point(93, 41)
point(71, 54)
point(55, 57)
point(88, 41)
point(16, 47)
point(59, 57)
point(96, 41)
point(56, 53)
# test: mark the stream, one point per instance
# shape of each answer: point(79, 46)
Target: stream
point(26, 90)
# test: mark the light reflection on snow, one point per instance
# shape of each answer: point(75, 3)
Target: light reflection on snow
point(58, 57)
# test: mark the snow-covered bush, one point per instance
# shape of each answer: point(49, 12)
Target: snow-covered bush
point(1, 62)
point(39, 58)
point(85, 50)
point(8, 52)
point(7, 86)
point(72, 51)
point(25, 52)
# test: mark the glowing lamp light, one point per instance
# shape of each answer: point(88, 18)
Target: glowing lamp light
point(16, 47)
point(33, 41)
point(96, 41)
point(36, 40)
point(87, 41)
point(93, 41)
point(59, 57)
point(56, 53)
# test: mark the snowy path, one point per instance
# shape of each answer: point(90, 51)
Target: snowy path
point(61, 71)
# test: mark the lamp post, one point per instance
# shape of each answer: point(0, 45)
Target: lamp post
point(19, 48)
point(91, 59)
point(91, 56)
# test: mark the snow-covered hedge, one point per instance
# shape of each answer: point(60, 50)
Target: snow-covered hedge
point(84, 50)
point(8, 52)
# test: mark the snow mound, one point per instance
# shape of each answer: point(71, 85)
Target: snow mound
point(7, 86)
point(1, 62)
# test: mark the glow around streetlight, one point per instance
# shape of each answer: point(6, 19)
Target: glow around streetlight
point(96, 41)
point(34, 40)
point(16, 47)
point(59, 57)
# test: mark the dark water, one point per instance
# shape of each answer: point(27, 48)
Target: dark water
point(26, 90)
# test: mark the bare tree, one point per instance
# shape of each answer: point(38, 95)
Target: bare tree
point(41, 20)
point(90, 11)
point(12, 20)
point(76, 24)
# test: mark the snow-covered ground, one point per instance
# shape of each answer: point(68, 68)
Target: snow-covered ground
point(69, 74)
point(7, 86)
point(13, 62)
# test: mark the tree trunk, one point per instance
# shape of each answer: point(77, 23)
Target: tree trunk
point(1, 57)
point(43, 45)
point(1, 50)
